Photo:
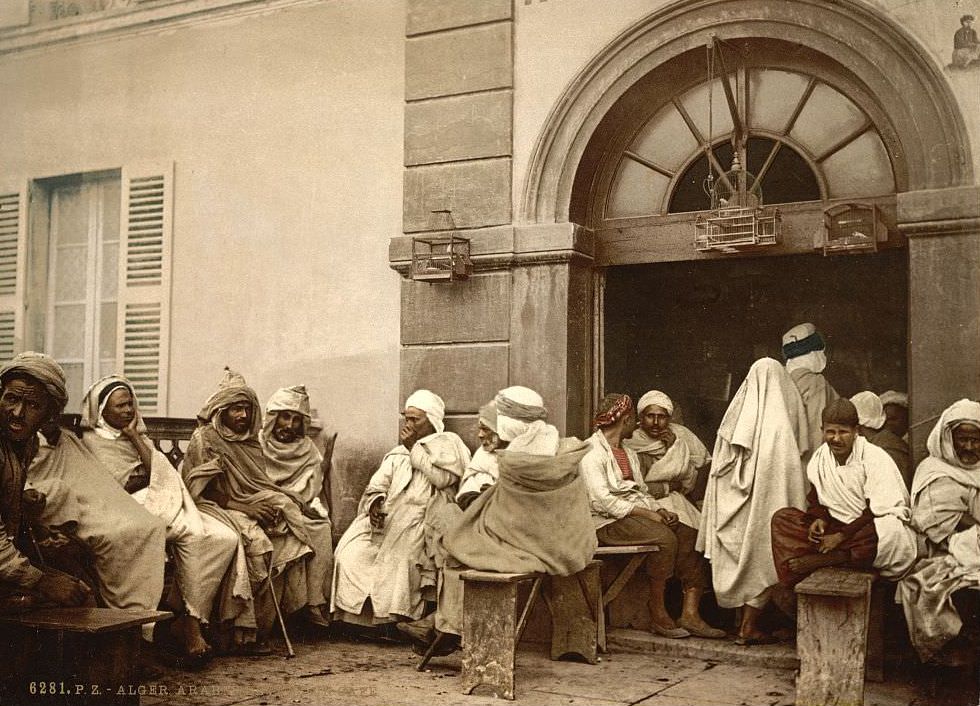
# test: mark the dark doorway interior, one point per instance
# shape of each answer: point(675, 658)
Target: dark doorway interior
point(692, 329)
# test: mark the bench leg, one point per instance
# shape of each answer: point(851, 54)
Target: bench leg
point(875, 663)
point(489, 637)
point(831, 637)
point(575, 604)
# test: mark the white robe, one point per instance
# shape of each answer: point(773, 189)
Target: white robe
point(387, 564)
point(755, 471)
point(869, 478)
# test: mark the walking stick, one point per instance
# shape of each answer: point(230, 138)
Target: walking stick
point(275, 602)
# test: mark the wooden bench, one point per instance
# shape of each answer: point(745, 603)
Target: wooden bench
point(76, 655)
point(637, 554)
point(492, 628)
point(839, 636)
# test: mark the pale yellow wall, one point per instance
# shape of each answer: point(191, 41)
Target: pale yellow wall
point(286, 131)
point(556, 39)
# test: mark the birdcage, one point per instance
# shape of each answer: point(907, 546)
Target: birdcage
point(738, 220)
point(852, 228)
point(444, 258)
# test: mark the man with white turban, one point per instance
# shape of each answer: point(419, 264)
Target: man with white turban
point(946, 512)
point(671, 456)
point(381, 563)
point(804, 351)
point(896, 405)
point(624, 513)
point(225, 470)
point(294, 464)
point(202, 546)
point(873, 427)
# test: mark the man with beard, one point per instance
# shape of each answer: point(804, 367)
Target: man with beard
point(202, 547)
point(671, 456)
point(295, 465)
point(33, 392)
point(946, 512)
point(857, 508)
point(804, 351)
point(225, 471)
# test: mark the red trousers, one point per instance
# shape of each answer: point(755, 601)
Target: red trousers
point(790, 528)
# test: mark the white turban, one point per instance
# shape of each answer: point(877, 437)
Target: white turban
point(517, 408)
point(431, 404)
point(803, 347)
point(870, 411)
point(655, 397)
point(292, 399)
point(894, 397)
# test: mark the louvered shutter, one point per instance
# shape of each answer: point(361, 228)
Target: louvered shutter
point(13, 241)
point(143, 331)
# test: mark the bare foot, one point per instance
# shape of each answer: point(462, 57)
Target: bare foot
point(191, 640)
point(808, 563)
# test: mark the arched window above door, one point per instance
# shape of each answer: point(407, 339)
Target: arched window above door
point(807, 141)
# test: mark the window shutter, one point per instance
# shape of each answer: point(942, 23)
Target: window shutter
point(143, 330)
point(13, 240)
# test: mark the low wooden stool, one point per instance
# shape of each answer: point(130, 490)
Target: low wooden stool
point(492, 629)
point(831, 641)
point(637, 555)
point(77, 655)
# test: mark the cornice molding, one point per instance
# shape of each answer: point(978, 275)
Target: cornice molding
point(145, 18)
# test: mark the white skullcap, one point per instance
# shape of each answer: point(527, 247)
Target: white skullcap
point(870, 411)
point(517, 408)
point(431, 404)
point(655, 397)
point(894, 397)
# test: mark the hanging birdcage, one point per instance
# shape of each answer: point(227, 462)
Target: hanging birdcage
point(852, 228)
point(738, 220)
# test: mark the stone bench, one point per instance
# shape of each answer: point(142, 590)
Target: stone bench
point(637, 554)
point(75, 655)
point(839, 636)
point(492, 627)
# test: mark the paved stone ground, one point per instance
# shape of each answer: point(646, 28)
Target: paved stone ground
point(344, 671)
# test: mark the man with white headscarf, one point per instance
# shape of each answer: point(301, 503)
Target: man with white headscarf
point(671, 456)
point(804, 351)
point(295, 465)
point(946, 513)
point(873, 427)
point(896, 406)
point(202, 546)
point(127, 541)
point(225, 471)
point(482, 471)
point(381, 563)
point(756, 469)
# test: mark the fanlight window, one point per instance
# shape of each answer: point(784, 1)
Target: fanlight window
point(807, 141)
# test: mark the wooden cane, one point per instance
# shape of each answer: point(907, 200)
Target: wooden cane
point(275, 602)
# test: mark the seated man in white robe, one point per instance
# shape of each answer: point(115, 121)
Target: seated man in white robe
point(202, 547)
point(381, 563)
point(671, 456)
point(857, 508)
point(946, 513)
point(294, 464)
point(482, 471)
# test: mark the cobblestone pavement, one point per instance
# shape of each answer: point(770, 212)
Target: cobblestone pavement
point(339, 670)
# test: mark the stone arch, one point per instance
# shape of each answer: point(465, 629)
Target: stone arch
point(931, 145)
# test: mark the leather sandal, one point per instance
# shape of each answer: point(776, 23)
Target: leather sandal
point(674, 633)
point(702, 630)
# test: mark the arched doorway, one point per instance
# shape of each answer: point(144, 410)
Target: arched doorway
point(840, 105)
